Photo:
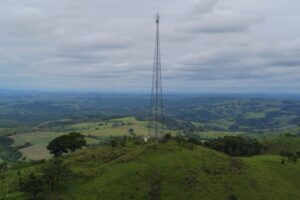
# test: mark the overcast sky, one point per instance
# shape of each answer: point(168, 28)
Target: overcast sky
point(107, 45)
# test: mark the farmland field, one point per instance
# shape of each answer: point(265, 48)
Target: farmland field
point(39, 140)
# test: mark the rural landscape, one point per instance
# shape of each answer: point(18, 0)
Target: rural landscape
point(258, 161)
point(149, 100)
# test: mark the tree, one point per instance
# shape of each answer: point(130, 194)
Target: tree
point(50, 176)
point(32, 185)
point(66, 143)
point(75, 141)
point(236, 145)
point(54, 173)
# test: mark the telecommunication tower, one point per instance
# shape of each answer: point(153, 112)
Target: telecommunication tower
point(156, 127)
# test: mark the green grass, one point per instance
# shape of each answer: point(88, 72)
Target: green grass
point(35, 137)
point(40, 139)
point(106, 128)
point(282, 143)
point(179, 171)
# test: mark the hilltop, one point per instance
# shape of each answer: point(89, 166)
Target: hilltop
point(171, 170)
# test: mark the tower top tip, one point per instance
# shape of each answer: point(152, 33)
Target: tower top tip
point(157, 17)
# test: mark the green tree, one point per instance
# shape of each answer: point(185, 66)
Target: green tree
point(52, 175)
point(32, 185)
point(236, 145)
point(66, 143)
point(75, 141)
point(55, 173)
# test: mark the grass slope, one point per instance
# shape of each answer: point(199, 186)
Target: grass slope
point(171, 171)
point(283, 143)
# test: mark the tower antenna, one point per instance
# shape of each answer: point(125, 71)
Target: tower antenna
point(156, 127)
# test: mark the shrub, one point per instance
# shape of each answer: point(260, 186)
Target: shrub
point(32, 185)
point(54, 173)
point(290, 156)
point(194, 140)
point(123, 141)
point(51, 176)
point(167, 136)
point(114, 143)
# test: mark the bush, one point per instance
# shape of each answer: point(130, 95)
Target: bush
point(167, 136)
point(290, 156)
point(137, 140)
point(32, 185)
point(51, 176)
point(194, 140)
point(123, 141)
point(54, 173)
point(114, 143)
point(7, 152)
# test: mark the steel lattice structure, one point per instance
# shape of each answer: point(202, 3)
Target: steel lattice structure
point(156, 106)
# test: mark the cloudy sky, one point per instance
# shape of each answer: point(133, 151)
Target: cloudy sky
point(107, 45)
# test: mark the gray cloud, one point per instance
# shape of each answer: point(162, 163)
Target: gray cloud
point(204, 6)
point(206, 45)
point(220, 24)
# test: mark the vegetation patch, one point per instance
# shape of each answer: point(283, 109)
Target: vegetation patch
point(153, 170)
point(7, 152)
point(236, 145)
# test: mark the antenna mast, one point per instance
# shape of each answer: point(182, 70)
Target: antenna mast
point(156, 127)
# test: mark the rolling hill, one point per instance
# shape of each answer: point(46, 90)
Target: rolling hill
point(171, 170)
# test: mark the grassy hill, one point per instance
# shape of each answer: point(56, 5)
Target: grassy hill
point(168, 171)
point(283, 143)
